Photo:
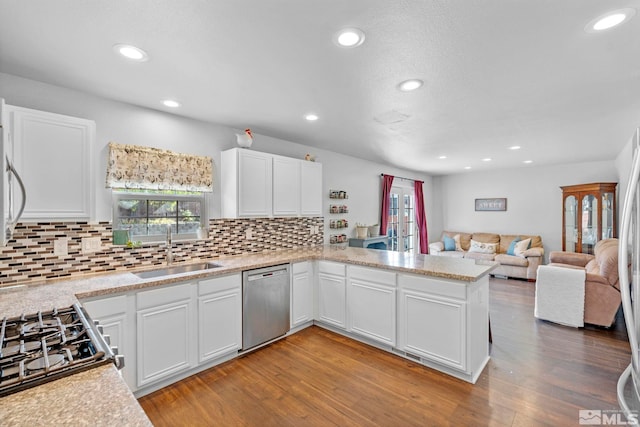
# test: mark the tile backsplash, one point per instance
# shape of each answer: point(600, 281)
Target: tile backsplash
point(29, 256)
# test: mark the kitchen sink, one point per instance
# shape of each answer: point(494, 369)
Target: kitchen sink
point(178, 269)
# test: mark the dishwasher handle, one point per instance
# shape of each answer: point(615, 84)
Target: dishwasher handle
point(267, 274)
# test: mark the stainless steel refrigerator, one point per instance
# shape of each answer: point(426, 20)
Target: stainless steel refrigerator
point(629, 273)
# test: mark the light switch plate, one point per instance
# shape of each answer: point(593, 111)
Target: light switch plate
point(61, 246)
point(249, 234)
point(91, 244)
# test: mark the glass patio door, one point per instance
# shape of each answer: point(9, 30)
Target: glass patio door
point(401, 226)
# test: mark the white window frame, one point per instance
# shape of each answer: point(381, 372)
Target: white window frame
point(201, 198)
point(405, 187)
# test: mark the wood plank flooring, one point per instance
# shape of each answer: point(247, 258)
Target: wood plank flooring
point(540, 374)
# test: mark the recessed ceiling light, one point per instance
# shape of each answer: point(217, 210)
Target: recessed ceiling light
point(527, 161)
point(311, 117)
point(171, 103)
point(349, 37)
point(442, 157)
point(467, 167)
point(131, 52)
point(409, 85)
point(486, 159)
point(514, 147)
point(610, 20)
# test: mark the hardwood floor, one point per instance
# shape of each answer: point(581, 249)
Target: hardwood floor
point(540, 373)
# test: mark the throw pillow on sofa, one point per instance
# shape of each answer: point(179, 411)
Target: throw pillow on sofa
point(483, 248)
point(449, 243)
point(512, 246)
point(521, 247)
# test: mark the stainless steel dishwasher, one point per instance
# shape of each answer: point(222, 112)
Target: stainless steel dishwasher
point(265, 304)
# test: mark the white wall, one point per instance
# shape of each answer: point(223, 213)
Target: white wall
point(128, 124)
point(534, 199)
point(623, 166)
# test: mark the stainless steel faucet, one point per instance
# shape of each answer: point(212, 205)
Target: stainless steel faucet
point(169, 246)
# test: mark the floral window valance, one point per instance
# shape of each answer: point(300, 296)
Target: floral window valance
point(133, 166)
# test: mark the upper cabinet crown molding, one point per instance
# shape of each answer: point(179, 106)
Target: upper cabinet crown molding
point(256, 184)
point(54, 155)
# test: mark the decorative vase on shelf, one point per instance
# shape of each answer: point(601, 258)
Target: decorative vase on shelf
point(245, 139)
point(361, 232)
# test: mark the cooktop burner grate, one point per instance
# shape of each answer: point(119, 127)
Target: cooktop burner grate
point(45, 346)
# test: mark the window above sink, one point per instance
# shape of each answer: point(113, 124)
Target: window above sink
point(147, 213)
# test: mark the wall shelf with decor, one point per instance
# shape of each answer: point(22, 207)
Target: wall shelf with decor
point(338, 194)
point(338, 223)
point(341, 223)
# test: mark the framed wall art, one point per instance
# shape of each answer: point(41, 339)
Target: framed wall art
point(499, 204)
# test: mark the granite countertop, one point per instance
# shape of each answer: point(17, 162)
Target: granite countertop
point(96, 397)
point(102, 395)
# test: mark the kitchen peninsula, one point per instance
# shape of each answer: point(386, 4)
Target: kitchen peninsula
point(435, 312)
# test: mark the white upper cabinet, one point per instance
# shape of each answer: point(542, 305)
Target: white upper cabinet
point(286, 186)
point(53, 154)
point(258, 184)
point(310, 188)
point(246, 181)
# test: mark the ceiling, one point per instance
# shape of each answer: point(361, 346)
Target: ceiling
point(496, 73)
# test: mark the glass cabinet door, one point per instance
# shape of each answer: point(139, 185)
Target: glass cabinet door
point(571, 223)
point(589, 223)
point(607, 215)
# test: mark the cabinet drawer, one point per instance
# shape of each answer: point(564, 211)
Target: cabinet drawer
point(373, 275)
point(169, 294)
point(300, 267)
point(218, 284)
point(331, 268)
point(443, 287)
point(106, 306)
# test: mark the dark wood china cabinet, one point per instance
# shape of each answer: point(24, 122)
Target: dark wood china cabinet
point(589, 214)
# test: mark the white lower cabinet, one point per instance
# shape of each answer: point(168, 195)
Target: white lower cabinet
point(113, 315)
point(165, 332)
point(301, 293)
point(433, 327)
point(219, 317)
point(445, 322)
point(332, 307)
point(371, 304)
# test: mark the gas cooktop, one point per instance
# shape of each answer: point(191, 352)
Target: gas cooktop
point(45, 346)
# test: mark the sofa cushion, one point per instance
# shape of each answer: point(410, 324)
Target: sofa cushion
point(480, 255)
point(484, 248)
point(512, 246)
point(464, 238)
point(486, 237)
point(536, 241)
point(505, 259)
point(606, 261)
point(507, 239)
point(521, 247)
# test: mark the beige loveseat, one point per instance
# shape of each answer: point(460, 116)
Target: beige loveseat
point(523, 266)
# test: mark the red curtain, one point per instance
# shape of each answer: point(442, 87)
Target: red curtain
point(421, 218)
point(387, 182)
